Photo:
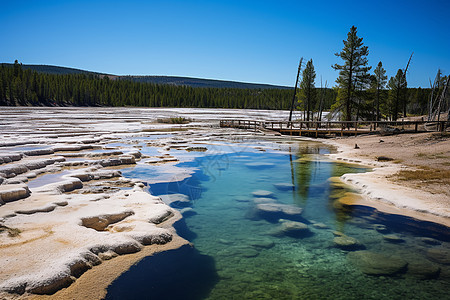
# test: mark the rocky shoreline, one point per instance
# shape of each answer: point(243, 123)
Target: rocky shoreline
point(70, 222)
point(377, 188)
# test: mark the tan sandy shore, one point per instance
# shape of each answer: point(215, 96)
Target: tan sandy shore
point(424, 158)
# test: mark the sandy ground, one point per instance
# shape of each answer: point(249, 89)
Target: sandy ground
point(422, 196)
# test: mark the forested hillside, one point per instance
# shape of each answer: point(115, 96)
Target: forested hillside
point(56, 70)
point(20, 86)
point(199, 82)
point(173, 80)
point(57, 86)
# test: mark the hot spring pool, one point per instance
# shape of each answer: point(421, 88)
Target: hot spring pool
point(245, 252)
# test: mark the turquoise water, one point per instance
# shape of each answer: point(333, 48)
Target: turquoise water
point(252, 256)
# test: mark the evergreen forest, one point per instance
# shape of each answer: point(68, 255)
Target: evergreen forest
point(19, 86)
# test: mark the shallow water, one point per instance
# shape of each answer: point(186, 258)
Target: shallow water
point(252, 260)
point(42, 180)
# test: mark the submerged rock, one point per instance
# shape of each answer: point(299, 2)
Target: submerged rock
point(430, 241)
point(263, 193)
point(392, 238)
point(321, 225)
point(284, 186)
point(187, 212)
point(259, 200)
point(440, 255)
point(242, 250)
point(262, 243)
point(372, 263)
point(176, 200)
point(291, 228)
point(242, 199)
point(347, 243)
point(276, 211)
point(259, 165)
point(380, 228)
point(423, 269)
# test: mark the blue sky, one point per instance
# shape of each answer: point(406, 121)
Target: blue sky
point(251, 41)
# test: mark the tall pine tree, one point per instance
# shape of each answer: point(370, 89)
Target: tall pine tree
point(380, 80)
point(308, 90)
point(397, 86)
point(353, 73)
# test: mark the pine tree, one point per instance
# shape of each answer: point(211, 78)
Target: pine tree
point(380, 80)
point(307, 89)
point(397, 86)
point(353, 73)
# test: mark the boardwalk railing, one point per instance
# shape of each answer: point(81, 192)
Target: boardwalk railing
point(315, 128)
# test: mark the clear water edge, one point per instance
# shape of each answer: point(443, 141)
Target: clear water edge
point(224, 228)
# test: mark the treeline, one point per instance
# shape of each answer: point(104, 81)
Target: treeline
point(374, 97)
point(20, 86)
point(362, 95)
point(371, 96)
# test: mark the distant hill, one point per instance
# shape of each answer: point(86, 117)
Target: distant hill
point(200, 82)
point(169, 80)
point(55, 70)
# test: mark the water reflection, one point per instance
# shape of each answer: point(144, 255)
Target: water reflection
point(183, 273)
point(257, 259)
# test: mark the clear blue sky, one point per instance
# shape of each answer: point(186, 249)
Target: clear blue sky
point(251, 41)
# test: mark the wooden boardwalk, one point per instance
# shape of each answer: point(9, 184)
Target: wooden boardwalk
point(337, 128)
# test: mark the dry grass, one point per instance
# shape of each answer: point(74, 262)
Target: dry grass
point(431, 155)
point(174, 120)
point(440, 135)
point(425, 175)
